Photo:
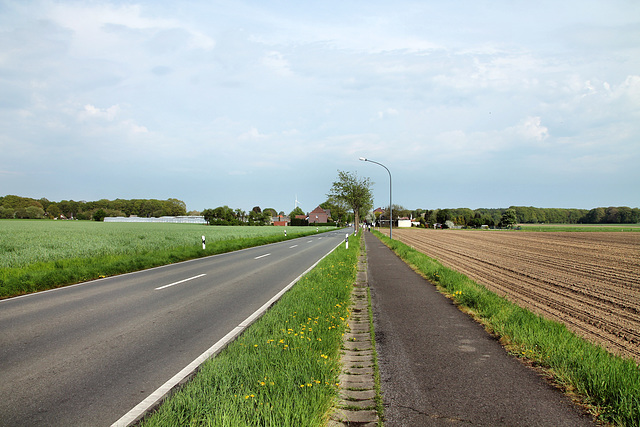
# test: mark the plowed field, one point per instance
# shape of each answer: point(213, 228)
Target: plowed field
point(588, 281)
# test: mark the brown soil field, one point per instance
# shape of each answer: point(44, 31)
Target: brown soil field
point(588, 281)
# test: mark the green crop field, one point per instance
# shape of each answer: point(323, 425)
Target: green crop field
point(42, 254)
point(24, 242)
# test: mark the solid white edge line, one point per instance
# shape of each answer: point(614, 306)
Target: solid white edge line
point(139, 411)
point(181, 281)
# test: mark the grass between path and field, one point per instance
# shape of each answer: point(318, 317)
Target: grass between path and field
point(283, 371)
point(40, 255)
point(608, 385)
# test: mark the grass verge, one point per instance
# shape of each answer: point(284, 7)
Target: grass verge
point(283, 371)
point(609, 385)
point(41, 276)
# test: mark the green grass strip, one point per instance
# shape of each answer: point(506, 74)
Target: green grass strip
point(52, 274)
point(608, 384)
point(283, 371)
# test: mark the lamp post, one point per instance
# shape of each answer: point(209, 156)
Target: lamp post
point(390, 198)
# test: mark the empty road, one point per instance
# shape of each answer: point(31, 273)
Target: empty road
point(89, 353)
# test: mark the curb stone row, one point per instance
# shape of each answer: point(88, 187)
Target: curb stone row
point(357, 404)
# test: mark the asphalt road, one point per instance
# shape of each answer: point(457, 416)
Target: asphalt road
point(439, 367)
point(89, 353)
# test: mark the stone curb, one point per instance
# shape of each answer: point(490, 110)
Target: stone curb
point(357, 383)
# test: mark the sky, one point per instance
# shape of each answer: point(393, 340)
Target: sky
point(259, 103)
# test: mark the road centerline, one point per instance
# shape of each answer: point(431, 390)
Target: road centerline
point(180, 281)
point(262, 256)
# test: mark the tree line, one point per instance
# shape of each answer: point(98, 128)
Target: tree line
point(224, 215)
point(12, 206)
point(27, 208)
point(523, 214)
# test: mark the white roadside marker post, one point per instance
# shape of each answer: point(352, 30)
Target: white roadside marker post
point(203, 245)
point(346, 241)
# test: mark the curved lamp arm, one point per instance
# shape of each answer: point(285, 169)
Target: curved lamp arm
point(364, 159)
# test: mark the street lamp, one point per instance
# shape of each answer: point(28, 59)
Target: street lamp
point(390, 199)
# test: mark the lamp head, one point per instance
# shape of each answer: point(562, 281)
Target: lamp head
point(363, 159)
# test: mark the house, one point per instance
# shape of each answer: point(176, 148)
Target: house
point(280, 220)
point(319, 215)
point(404, 223)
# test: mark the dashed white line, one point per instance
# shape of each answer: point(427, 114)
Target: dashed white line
point(181, 281)
point(262, 256)
point(294, 246)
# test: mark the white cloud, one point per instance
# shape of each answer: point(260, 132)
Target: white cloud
point(629, 89)
point(532, 128)
point(135, 128)
point(91, 111)
point(275, 61)
point(389, 112)
point(105, 27)
point(252, 135)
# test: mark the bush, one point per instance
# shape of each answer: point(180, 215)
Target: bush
point(99, 215)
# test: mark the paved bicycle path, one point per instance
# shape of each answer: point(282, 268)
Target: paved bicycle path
point(439, 367)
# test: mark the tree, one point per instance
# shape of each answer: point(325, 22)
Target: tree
point(443, 216)
point(296, 211)
point(99, 215)
point(222, 215)
point(30, 212)
point(509, 218)
point(6, 213)
point(174, 207)
point(270, 211)
point(240, 215)
point(353, 192)
point(297, 221)
point(338, 214)
point(208, 215)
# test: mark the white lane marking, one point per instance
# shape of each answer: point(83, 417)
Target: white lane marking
point(262, 256)
point(294, 246)
point(310, 241)
point(181, 281)
point(154, 398)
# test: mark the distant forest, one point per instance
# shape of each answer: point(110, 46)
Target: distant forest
point(25, 207)
point(531, 215)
